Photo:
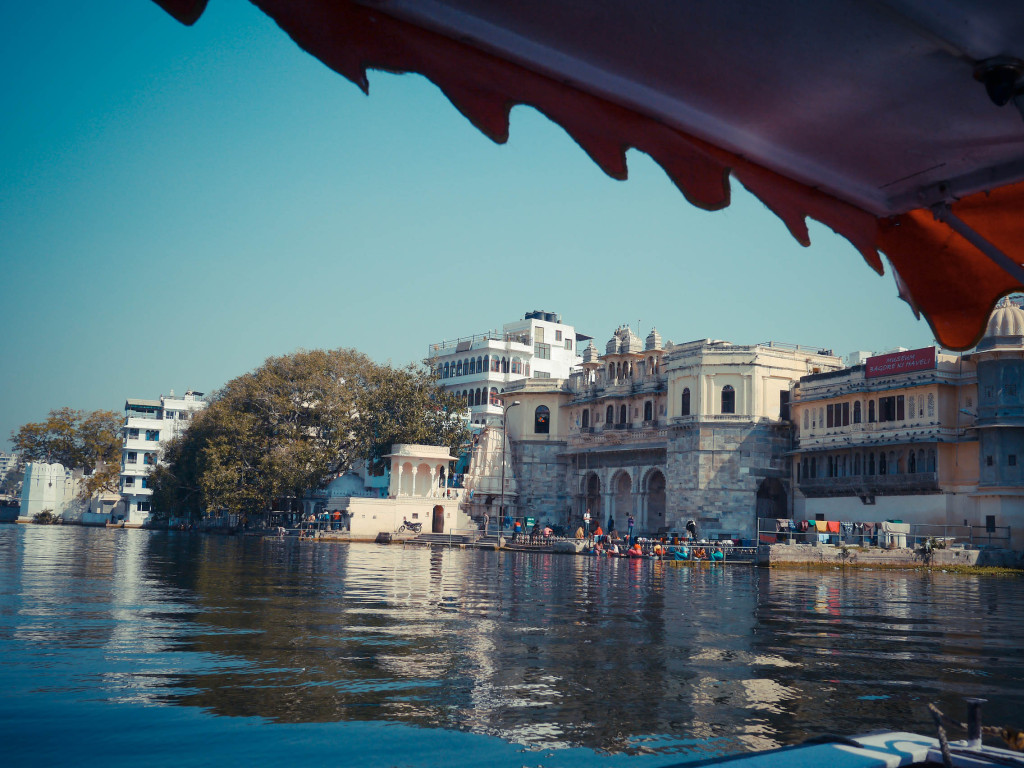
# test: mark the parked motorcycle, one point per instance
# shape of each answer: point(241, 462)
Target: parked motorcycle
point(406, 525)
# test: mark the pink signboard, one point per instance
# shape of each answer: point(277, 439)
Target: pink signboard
point(900, 362)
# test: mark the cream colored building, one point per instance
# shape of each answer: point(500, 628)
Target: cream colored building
point(667, 433)
point(922, 436)
point(897, 446)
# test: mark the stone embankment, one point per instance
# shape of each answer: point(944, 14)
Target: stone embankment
point(876, 557)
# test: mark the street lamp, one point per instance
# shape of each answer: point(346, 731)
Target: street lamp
point(504, 441)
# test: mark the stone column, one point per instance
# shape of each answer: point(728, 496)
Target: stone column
point(412, 486)
point(396, 471)
point(432, 491)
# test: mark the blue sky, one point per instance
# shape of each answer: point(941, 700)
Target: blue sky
point(177, 204)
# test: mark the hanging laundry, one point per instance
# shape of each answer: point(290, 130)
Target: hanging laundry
point(820, 526)
point(833, 526)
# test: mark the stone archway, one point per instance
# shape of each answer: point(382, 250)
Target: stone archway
point(437, 520)
point(622, 500)
point(655, 507)
point(592, 496)
point(771, 499)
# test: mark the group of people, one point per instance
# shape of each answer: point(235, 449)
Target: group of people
point(320, 522)
point(536, 533)
point(656, 549)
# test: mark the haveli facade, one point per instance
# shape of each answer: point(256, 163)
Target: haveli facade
point(478, 368)
point(667, 433)
point(922, 436)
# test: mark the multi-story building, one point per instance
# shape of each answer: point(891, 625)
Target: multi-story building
point(667, 433)
point(922, 436)
point(8, 462)
point(479, 368)
point(148, 426)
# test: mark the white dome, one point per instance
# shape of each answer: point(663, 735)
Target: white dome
point(1006, 323)
point(1007, 320)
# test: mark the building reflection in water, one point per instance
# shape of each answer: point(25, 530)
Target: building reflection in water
point(541, 650)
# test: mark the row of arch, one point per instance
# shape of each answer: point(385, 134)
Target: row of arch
point(618, 500)
point(480, 364)
point(870, 463)
point(479, 396)
point(624, 369)
point(623, 414)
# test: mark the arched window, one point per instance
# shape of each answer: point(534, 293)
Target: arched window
point(517, 365)
point(611, 370)
point(541, 420)
point(856, 412)
point(586, 417)
point(881, 464)
point(504, 365)
point(494, 396)
point(487, 363)
point(911, 463)
point(479, 397)
point(609, 414)
point(458, 368)
point(648, 411)
point(445, 374)
point(856, 464)
point(480, 365)
point(622, 414)
point(472, 365)
point(931, 453)
point(686, 401)
point(871, 411)
point(728, 399)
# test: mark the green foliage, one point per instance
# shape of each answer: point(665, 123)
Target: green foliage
point(46, 517)
point(90, 441)
point(293, 425)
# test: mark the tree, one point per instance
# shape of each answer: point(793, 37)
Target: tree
point(293, 425)
point(405, 405)
point(89, 441)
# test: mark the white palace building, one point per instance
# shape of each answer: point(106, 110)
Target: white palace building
point(479, 368)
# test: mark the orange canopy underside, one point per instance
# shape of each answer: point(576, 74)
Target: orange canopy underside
point(940, 274)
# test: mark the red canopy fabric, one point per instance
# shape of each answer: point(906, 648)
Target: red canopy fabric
point(940, 274)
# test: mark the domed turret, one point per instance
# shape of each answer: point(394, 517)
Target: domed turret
point(590, 353)
point(653, 340)
point(1005, 327)
point(613, 343)
point(630, 342)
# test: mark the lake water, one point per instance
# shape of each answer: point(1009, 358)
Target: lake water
point(125, 647)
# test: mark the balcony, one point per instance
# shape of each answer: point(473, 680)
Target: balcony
point(859, 485)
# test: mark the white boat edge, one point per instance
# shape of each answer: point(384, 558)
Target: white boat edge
point(881, 749)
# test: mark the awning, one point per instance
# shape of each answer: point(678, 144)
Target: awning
point(895, 122)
